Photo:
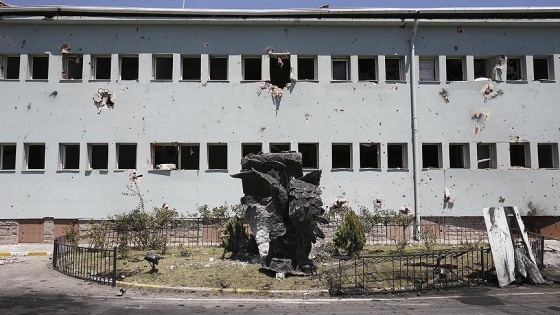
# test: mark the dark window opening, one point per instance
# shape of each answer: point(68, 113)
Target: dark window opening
point(219, 68)
point(393, 71)
point(126, 156)
point(191, 68)
point(72, 67)
point(165, 154)
point(341, 156)
point(514, 69)
point(396, 156)
point(252, 68)
point(163, 68)
point(35, 156)
point(481, 68)
point(519, 155)
point(102, 68)
point(340, 70)
point(11, 68)
point(8, 157)
point(458, 156)
point(306, 68)
point(486, 155)
point(280, 72)
point(279, 147)
point(309, 155)
point(540, 69)
point(70, 156)
point(369, 155)
point(190, 157)
point(99, 156)
point(366, 69)
point(217, 157)
point(454, 69)
point(129, 68)
point(247, 148)
point(548, 155)
point(431, 156)
point(39, 68)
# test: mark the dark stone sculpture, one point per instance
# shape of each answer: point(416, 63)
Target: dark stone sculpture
point(283, 208)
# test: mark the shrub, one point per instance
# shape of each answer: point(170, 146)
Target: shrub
point(72, 234)
point(234, 239)
point(350, 236)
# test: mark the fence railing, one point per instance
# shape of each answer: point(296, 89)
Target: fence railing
point(94, 264)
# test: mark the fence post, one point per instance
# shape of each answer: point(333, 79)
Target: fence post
point(482, 264)
point(55, 254)
point(114, 266)
point(541, 253)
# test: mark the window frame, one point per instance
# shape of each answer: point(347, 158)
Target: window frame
point(363, 155)
point(434, 63)
point(196, 153)
point(3, 156)
point(63, 157)
point(521, 71)
point(346, 61)
point(492, 158)
point(32, 67)
point(6, 67)
point(438, 147)
point(249, 144)
point(67, 66)
point(348, 148)
point(553, 155)
point(274, 144)
point(526, 155)
point(216, 57)
point(118, 156)
point(166, 75)
point(316, 162)
point(197, 74)
point(90, 148)
point(258, 60)
point(549, 69)
point(209, 151)
point(174, 146)
point(27, 157)
point(137, 70)
point(447, 68)
point(465, 155)
point(486, 67)
point(375, 68)
point(404, 156)
point(95, 67)
point(302, 59)
point(401, 76)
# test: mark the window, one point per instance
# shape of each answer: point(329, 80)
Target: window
point(541, 69)
point(129, 67)
point(126, 156)
point(69, 156)
point(514, 69)
point(218, 68)
point(309, 155)
point(72, 67)
point(366, 69)
point(280, 70)
point(101, 67)
point(431, 155)
point(369, 155)
point(341, 156)
point(519, 155)
point(486, 155)
point(252, 67)
point(7, 156)
point(279, 147)
point(307, 68)
point(39, 67)
point(247, 148)
point(397, 157)
point(163, 68)
point(35, 156)
point(217, 156)
point(459, 155)
point(165, 156)
point(191, 68)
point(454, 69)
point(481, 68)
point(428, 70)
point(393, 69)
point(98, 156)
point(190, 157)
point(340, 70)
point(548, 155)
point(10, 67)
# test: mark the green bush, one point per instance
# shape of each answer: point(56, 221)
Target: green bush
point(350, 237)
point(234, 239)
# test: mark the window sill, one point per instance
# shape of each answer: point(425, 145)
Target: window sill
point(42, 171)
point(546, 81)
point(100, 171)
point(216, 171)
point(128, 80)
point(71, 81)
point(429, 82)
point(517, 81)
point(372, 81)
point(432, 169)
point(370, 169)
point(9, 80)
point(7, 171)
point(397, 170)
point(67, 171)
point(161, 80)
point(37, 80)
point(100, 80)
point(193, 81)
point(121, 170)
point(344, 169)
point(340, 81)
point(309, 169)
point(218, 81)
point(458, 81)
point(251, 81)
point(395, 81)
point(308, 80)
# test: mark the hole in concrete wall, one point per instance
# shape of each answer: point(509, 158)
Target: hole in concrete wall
point(247, 148)
point(280, 72)
point(252, 68)
point(190, 157)
point(163, 68)
point(486, 155)
point(7, 156)
point(340, 69)
point(101, 68)
point(129, 68)
point(481, 68)
point(514, 70)
point(126, 156)
point(279, 147)
point(541, 69)
point(431, 155)
point(307, 68)
point(397, 156)
point(309, 155)
point(459, 155)
point(69, 156)
point(341, 156)
point(219, 68)
point(394, 69)
point(367, 69)
point(72, 67)
point(454, 69)
point(191, 68)
point(519, 155)
point(35, 156)
point(217, 156)
point(39, 67)
point(98, 156)
point(164, 154)
point(548, 155)
point(369, 155)
point(10, 67)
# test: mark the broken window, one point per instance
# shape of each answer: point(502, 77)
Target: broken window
point(279, 147)
point(10, 67)
point(459, 155)
point(428, 70)
point(35, 156)
point(69, 156)
point(519, 155)
point(165, 156)
point(39, 67)
point(341, 156)
point(7, 156)
point(309, 155)
point(367, 69)
point(163, 68)
point(217, 156)
point(548, 155)
point(252, 68)
point(191, 68)
point(481, 68)
point(397, 156)
point(340, 69)
point(541, 69)
point(98, 156)
point(129, 67)
point(72, 67)
point(514, 69)
point(280, 70)
point(247, 148)
point(394, 69)
point(218, 68)
point(101, 68)
point(307, 68)
point(486, 155)
point(190, 157)
point(454, 69)
point(431, 155)
point(126, 156)
point(369, 155)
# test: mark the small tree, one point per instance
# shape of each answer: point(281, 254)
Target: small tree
point(350, 236)
point(234, 239)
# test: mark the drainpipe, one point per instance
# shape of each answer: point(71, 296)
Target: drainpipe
point(414, 126)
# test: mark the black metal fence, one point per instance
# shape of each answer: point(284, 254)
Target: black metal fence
point(94, 264)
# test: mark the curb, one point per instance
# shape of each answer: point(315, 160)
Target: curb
point(32, 253)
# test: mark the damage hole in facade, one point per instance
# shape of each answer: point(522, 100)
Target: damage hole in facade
point(431, 155)
point(280, 72)
point(279, 147)
point(369, 155)
point(126, 156)
point(217, 156)
point(7, 156)
point(486, 155)
point(459, 155)
point(250, 148)
point(342, 156)
point(520, 155)
point(98, 156)
point(35, 156)
point(218, 68)
point(129, 68)
point(309, 155)
point(191, 68)
point(69, 156)
point(39, 67)
point(397, 156)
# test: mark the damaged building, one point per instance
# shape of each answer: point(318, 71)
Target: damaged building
point(440, 111)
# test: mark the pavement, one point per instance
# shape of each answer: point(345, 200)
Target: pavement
point(27, 249)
